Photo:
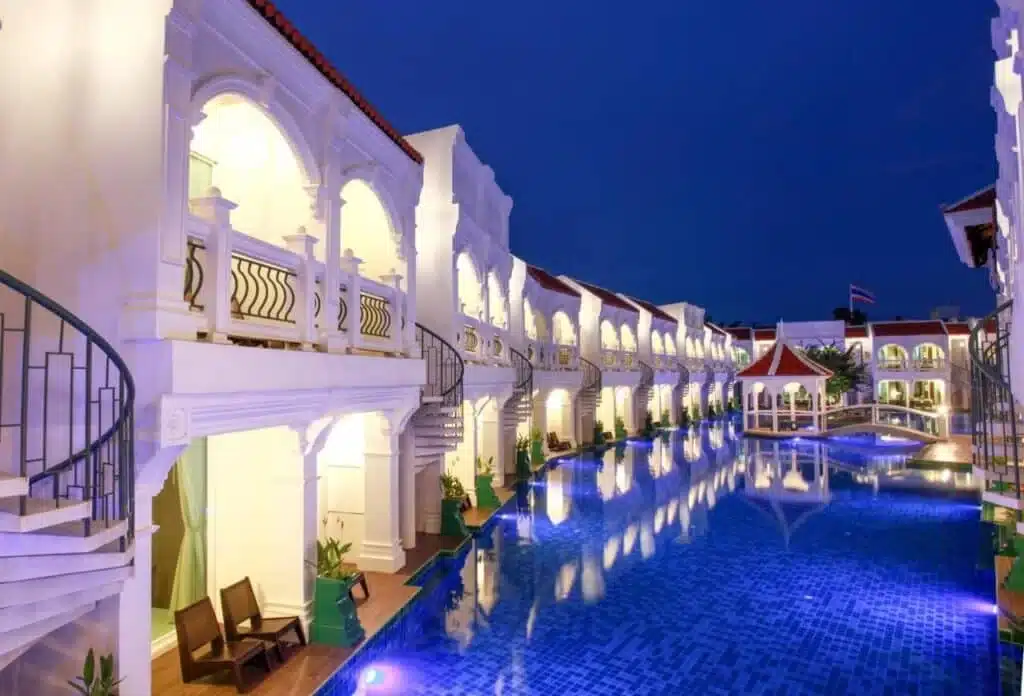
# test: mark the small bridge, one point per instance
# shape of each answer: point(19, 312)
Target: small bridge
point(885, 419)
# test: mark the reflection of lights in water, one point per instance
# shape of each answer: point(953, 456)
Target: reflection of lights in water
point(557, 500)
point(793, 481)
point(659, 519)
point(629, 539)
point(565, 581)
point(673, 508)
point(621, 478)
point(531, 620)
point(592, 580)
point(611, 552)
point(646, 541)
point(712, 499)
point(692, 498)
point(378, 679)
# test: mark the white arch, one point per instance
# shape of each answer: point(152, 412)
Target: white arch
point(469, 288)
point(563, 329)
point(215, 86)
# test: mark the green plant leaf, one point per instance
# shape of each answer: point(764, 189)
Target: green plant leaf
point(89, 668)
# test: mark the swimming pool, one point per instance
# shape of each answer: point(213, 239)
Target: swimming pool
point(698, 564)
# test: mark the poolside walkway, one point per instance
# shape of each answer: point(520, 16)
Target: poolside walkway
point(308, 667)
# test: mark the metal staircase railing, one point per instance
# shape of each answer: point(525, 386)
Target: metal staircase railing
point(521, 402)
point(591, 377)
point(445, 369)
point(682, 387)
point(74, 419)
point(994, 426)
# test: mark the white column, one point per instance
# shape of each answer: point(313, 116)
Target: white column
point(775, 413)
point(407, 467)
point(382, 543)
point(353, 319)
point(302, 243)
point(135, 604)
point(430, 492)
point(216, 294)
point(327, 211)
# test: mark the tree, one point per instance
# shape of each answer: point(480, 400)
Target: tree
point(848, 374)
point(856, 317)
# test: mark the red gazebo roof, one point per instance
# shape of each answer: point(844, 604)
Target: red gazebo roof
point(783, 361)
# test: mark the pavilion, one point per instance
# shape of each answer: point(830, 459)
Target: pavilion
point(783, 391)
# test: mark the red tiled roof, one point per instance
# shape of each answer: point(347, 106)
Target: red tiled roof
point(269, 12)
point(764, 334)
point(985, 198)
point(655, 310)
point(609, 298)
point(909, 328)
point(550, 282)
point(714, 328)
point(856, 332)
point(741, 333)
point(957, 328)
point(783, 361)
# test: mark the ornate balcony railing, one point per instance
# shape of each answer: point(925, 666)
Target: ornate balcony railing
point(995, 428)
point(891, 364)
point(481, 342)
point(253, 292)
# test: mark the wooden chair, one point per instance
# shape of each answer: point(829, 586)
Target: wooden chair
point(196, 626)
point(359, 579)
point(556, 445)
point(239, 604)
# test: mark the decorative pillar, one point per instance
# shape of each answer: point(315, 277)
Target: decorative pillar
point(135, 603)
point(301, 243)
point(430, 497)
point(382, 543)
point(775, 413)
point(327, 211)
point(351, 298)
point(399, 308)
point(407, 486)
point(218, 288)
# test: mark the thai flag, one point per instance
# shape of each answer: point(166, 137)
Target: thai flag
point(861, 295)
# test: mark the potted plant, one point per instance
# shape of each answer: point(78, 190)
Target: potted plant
point(598, 434)
point(648, 430)
point(684, 417)
point(453, 494)
point(522, 457)
point(666, 419)
point(536, 448)
point(620, 428)
point(89, 683)
point(335, 621)
point(485, 496)
point(695, 413)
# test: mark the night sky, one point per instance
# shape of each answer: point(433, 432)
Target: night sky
point(752, 157)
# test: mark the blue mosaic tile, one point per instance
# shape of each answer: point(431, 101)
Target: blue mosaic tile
point(721, 592)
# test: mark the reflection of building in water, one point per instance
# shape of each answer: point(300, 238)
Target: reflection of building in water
point(786, 484)
point(558, 500)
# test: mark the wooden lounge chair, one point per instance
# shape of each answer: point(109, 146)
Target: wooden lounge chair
point(358, 579)
point(239, 604)
point(556, 445)
point(196, 626)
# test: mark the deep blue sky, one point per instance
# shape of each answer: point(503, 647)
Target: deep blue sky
point(753, 157)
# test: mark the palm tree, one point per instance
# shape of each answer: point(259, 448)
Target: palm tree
point(848, 374)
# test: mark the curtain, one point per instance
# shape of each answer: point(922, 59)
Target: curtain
point(190, 573)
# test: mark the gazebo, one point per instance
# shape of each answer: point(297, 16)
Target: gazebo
point(783, 391)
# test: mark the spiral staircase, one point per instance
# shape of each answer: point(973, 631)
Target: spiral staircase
point(519, 407)
point(996, 426)
point(589, 396)
point(681, 389)
point(643, 393)
point(66, 468)
point(438, 423)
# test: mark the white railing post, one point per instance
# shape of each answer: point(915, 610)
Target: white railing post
point(302, 243)
point(397, 308)
point(216, 210)
point(352, 296)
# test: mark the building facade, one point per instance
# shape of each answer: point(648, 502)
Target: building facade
point(253, 316)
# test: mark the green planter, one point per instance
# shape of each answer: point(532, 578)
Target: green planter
point(335, 621)
point(452, 523)
point(536, 453)
point(485, 495)
point(522, 465)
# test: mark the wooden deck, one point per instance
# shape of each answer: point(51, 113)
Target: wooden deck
point(478, 517)
point(307, 668)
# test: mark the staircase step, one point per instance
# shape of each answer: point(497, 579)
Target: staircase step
point(40, 514)
point(18, 617)
point(12, 486)
point(66, 538)
point(13, 644)
point(18, 568)
point(22, 592)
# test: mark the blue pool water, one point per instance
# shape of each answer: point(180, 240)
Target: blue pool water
point(701, 564)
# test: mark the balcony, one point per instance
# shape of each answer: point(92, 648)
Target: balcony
point(545, 355)
point(251, 292)
point(616, 360)
point(891, 365)
point(483, 343)
point(929, 364)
